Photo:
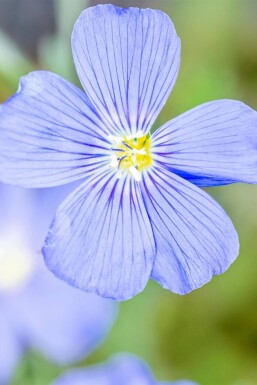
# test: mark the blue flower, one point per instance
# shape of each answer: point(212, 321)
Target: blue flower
point(140, 212)
point(122, 369)
point(37, 310)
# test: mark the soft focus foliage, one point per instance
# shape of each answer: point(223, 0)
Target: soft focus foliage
point(209, 335)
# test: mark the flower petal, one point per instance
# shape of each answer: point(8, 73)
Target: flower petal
point(101, 239)
point(127, 61)
point(182, 382)
point(10, 351)
point(212, 144)
point(122, 369)
point(130, 370)
point(50, 133)
point(65, 324)
point(195, 238)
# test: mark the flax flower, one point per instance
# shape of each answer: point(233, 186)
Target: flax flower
point(139, 213)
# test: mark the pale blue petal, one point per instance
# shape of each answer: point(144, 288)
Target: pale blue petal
point(127, 61)
point(59, 321)
point(16, 206)
point(212, 144)
point(130, 370)
point(195, 238)
point(10, 348)
point(45, 314)
point(101, 239)
point(84, 377)
point(49, 133)
point(123, 369)
point(181, 382)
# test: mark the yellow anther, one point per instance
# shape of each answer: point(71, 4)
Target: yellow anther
point(131, 153)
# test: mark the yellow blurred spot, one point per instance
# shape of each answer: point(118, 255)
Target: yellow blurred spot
point(15, 265)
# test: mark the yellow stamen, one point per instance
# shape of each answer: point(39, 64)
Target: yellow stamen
point(131, 153)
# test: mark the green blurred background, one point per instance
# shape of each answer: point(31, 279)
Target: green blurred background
point(210, 335)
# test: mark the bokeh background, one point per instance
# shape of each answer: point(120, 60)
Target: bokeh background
point(210, 335)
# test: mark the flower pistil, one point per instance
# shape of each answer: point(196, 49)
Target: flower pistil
point(132, 153)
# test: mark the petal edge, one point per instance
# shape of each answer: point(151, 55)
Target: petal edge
point(195, 238)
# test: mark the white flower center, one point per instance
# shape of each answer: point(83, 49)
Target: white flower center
point(131, 153)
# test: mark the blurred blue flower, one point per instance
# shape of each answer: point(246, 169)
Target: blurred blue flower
point(122, 369)
point(140, 213)
point(36, 309)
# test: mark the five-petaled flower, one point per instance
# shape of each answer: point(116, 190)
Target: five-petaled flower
point(121, 369)
point(140, 212)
